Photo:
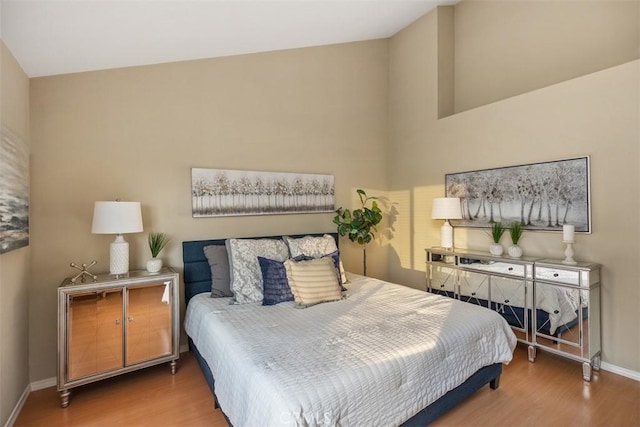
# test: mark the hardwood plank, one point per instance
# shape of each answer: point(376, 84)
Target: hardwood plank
point(549, 392)
point(150, 397)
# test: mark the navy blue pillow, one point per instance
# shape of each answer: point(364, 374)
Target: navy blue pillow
point(275, 286)
point(335, 257)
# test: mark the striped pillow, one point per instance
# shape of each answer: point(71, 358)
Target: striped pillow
point(313, 281)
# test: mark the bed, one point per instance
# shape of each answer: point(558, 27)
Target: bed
point(369, 358)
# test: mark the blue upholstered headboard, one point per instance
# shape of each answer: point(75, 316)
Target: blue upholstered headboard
point(197, 273)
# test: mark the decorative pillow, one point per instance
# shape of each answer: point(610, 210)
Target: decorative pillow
point(316, 247)
point(335, 257)
point(313, 246)
point(275, 286)
point(246, 277)
point(219, 263)
point(313, 281)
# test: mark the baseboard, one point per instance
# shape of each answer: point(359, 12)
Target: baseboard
point(620, 371)
point(39, 385)
point(16, 410)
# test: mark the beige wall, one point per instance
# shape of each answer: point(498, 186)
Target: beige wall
point(596, 115)
point(506, 48)
point(135, 133)
point(364, 112)
point(14, 265)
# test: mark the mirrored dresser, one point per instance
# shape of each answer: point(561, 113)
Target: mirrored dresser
point(550, 305)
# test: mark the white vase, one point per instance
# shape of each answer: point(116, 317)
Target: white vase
point(496, 249)
point(154, 265)
point(514, 251)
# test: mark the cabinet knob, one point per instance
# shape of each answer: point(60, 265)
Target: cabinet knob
point(130, 318)
point(117, 321)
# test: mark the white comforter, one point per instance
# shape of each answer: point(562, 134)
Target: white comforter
point(375, 358)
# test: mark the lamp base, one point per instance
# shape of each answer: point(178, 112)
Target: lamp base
point(446, 236)
point(568, 253)
point(119, 256)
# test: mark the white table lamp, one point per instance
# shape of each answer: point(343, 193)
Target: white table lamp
point(117, 218)
point(446, 208)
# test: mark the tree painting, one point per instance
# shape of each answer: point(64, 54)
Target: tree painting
point(541, 196)
point(219, 192)
point(14, 191)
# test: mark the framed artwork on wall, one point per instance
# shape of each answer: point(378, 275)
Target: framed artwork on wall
point(222, 192)
point(541, 196)
point(14, 191)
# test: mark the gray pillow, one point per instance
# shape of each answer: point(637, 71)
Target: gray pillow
point(219, 263)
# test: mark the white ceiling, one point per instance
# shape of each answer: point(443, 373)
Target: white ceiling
point(51, 37)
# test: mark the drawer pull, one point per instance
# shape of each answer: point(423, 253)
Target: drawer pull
point(473, 294)
point(442, 286)
point(506, 301)
point(510, 268)
point(555, 312)
point(555, 274)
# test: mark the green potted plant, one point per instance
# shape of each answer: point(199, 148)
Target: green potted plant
point(497, 230)
point(359, 224)
point(515, 231)
point(157, 242)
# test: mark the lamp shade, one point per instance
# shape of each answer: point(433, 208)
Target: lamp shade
point(446, 208)
point(116, 218)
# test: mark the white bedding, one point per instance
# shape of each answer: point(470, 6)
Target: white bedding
point(375, 358)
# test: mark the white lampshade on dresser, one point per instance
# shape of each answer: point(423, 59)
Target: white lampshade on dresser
point(446, 208)
point(117, 218)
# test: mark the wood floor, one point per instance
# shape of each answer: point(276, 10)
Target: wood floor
point(550, 392)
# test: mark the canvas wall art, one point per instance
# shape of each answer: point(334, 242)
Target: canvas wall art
point(14, 191)
point(221, 192)
point(541, 196)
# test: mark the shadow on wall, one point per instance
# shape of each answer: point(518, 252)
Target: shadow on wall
point(411, 231)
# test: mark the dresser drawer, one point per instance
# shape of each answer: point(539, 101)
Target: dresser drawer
point(568, 277)
point(504, 268)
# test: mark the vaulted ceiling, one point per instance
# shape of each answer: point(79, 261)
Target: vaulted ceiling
point(56, 37)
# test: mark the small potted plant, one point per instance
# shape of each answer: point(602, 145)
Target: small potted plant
point(515, 231)
point(157, 242)
point(497, 230)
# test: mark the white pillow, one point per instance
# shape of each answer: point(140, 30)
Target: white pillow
point(313, 281)
point(246, 276)
point(316, 247)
